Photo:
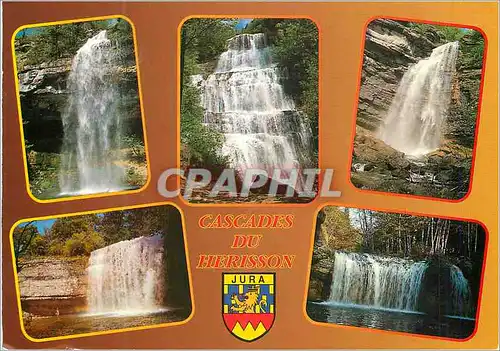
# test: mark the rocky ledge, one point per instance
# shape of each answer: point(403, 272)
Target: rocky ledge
point(442, 173)
point(53, 285)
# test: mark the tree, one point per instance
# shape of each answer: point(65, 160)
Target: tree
point(82, 244)
point(23, 237)
point(129, 224)
point(337, 232)
point(64, 228)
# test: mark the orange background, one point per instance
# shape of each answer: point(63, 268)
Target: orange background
point(341, 35)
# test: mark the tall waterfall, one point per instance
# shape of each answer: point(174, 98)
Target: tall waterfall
point(92, 123)
point(376, 281)
point(245, 100)
point(127, 277)
point(415, 119)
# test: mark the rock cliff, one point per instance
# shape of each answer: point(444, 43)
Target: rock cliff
point(52, 285)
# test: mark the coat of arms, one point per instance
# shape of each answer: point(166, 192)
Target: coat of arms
point(249, 304)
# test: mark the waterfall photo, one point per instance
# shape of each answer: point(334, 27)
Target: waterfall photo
point(418, 109)
point(80, 109)
point(397, 272)
point(249, 100)
point(102, 271)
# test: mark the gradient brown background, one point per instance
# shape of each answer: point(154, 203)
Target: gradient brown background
point(341, 35)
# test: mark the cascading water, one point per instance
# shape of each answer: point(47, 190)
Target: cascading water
point(415, 119)
point(127, 277)
point(92, 123)
point(460, 292)
point(377, 281)
point(245, 101)
point(393, 283)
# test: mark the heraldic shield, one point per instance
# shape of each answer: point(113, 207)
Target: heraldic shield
point(248, 303)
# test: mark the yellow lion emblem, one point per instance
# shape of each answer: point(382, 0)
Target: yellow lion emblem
point(248, 302)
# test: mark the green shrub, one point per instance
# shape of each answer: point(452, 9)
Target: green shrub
point(82, 244)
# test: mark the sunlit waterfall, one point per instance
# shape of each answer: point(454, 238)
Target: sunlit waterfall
point(245, 100)
point(90, 161)
point(394, 283)
point(414, 123)
point(127, 277)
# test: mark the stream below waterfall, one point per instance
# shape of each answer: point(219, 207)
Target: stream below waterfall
point(391, 319)
point(398, 294)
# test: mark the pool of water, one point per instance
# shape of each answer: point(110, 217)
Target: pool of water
point(45, 327)
point(395, 320)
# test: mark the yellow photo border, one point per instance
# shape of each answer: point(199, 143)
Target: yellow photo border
point(19, 109)
point(104, 332)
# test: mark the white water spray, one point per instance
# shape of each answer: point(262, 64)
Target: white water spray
point(90, 161)
point(377, 281)
point(245, 100)
point(127, 277)
point(415, 120)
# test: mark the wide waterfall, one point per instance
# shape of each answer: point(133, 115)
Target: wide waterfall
point(393, 283)
point(415, 120)
point(90, 160)
point(245, 100)
point(127, 277)
point(365, 279)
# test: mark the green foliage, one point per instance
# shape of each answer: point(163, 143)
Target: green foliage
point(23, 237)
point(121, 34)
point(206, 37)
point(43, 168)
point(296, 51)
point(268, 26)
point(201, 144)
point(38, 246)
point(65, 230)
point(50, 43)
point(135, 144)
point(82, 244)
point(128, 224)
point(337, 231)
point(465, 98)
point(447, 33)
point(202, 40)
point(472, 50)
point(80, 235)
point(54, 42)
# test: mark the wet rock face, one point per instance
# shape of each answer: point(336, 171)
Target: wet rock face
point(48, 285)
